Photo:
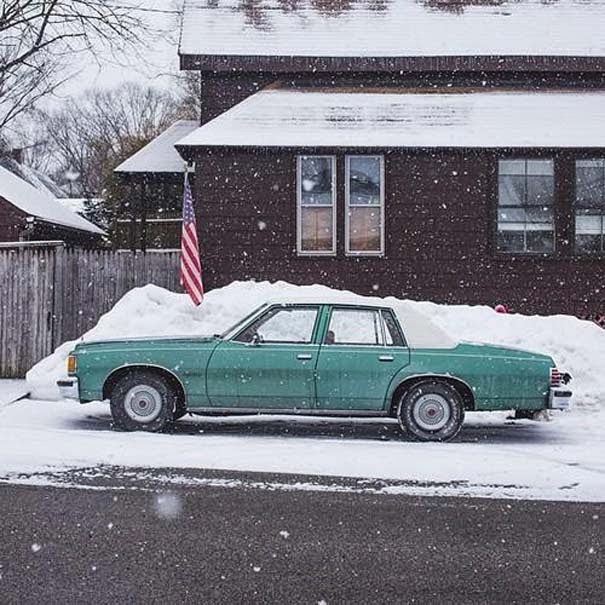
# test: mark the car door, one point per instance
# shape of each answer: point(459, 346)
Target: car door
point(269, 364)
point(362, 350)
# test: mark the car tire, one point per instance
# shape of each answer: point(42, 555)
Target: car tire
point(431, 411)
point(142, 401)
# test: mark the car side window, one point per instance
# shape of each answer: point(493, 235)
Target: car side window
point(282, 325)
point(394, 337)
point(354, 327)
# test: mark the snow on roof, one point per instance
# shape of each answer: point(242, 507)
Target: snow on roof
point(159, 155)
point(394, 28)
point(34, 177)
point(320, 118)
point(40, 204)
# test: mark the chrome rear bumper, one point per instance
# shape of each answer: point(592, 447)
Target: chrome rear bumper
point(69, 388)
point(559, 398)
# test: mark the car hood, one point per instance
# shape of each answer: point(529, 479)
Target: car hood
point(145, 341)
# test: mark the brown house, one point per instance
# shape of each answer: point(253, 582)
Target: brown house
point(28, 213)
point(450, 151)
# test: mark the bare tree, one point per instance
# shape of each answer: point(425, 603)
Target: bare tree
point(39, 38)
point(189, 90)
point(90, 135)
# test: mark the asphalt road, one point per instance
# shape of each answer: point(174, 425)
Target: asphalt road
point(202, 544)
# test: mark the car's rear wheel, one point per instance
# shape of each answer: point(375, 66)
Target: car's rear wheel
point(142, 401)
point(431, 410)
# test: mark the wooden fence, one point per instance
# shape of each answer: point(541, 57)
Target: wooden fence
point(50, 294)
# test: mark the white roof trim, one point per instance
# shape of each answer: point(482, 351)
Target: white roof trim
point(159, 155)
point(320, 118)
point(40, 204)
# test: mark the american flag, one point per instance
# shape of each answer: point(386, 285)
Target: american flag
point(191, 267)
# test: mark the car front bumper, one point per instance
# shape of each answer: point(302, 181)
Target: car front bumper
point(559, 398)
point(69, 389)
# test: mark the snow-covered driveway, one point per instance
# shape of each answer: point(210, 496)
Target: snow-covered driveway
point(493, 457)
point(11, 390)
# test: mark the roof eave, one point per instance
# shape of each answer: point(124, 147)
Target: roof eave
point(97, 233)
point(424, 64)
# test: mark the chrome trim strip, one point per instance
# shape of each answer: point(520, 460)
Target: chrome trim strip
point(69, 388)
point(235, 411)
point(390, 392)
point(144, 365)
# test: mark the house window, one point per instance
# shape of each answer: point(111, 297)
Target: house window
point(590, 205)
point(316, 205)
point(364, 223)
point(525, 205)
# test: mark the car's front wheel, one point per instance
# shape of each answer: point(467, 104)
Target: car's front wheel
point(142, 401)
point(431, 410)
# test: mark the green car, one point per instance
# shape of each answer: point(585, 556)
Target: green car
point(319, 358)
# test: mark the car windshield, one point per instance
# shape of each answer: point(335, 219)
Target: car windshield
point(242, 322)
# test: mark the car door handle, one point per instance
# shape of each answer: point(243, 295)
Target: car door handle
point(304, 356)
point(385, 358)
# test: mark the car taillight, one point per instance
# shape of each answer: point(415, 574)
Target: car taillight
point(555, 377)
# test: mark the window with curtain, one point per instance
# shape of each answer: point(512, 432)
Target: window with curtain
point(525, 205)
point(316, 205)
point(590, 205)
point(365, 205)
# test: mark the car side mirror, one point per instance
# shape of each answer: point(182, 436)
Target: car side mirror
point(256, 340)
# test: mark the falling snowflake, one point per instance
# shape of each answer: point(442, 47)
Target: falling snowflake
point(168, 505)
point(36, 547)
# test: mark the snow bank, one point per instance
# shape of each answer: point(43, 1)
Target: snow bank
point(577, 346)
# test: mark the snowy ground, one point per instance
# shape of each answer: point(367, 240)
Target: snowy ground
point(44, 438)
point(576, 346)
point(11, 390)
point(493, 457)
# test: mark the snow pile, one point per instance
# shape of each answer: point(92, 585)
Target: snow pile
point(577, 346)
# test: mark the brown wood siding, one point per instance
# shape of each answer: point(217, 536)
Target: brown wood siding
point(13, 227)
point(222, 92)
point(486, 64)
point(439, 233)
point(12, 222)
point(43, 231)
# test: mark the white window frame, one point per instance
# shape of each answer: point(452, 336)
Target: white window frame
point(299, 207)
point(348, 250)
point(525, 206)
point(578, 206)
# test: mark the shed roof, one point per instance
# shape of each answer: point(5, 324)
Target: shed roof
point(393, 28)
point(40, 204)
point(323, 118)
point(159, 155)
point(34, 177)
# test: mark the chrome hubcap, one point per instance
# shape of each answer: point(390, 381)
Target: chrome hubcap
point(431, 412)
point(143, 403)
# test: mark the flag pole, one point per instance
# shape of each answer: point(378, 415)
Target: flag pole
point(190, 267)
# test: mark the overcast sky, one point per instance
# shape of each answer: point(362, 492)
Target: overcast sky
point(151, 63)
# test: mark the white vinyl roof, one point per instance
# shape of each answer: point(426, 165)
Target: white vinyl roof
point(320, 118)
point(394, 28)
point(420, 332)
point(40, 204)
point(159, 155)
